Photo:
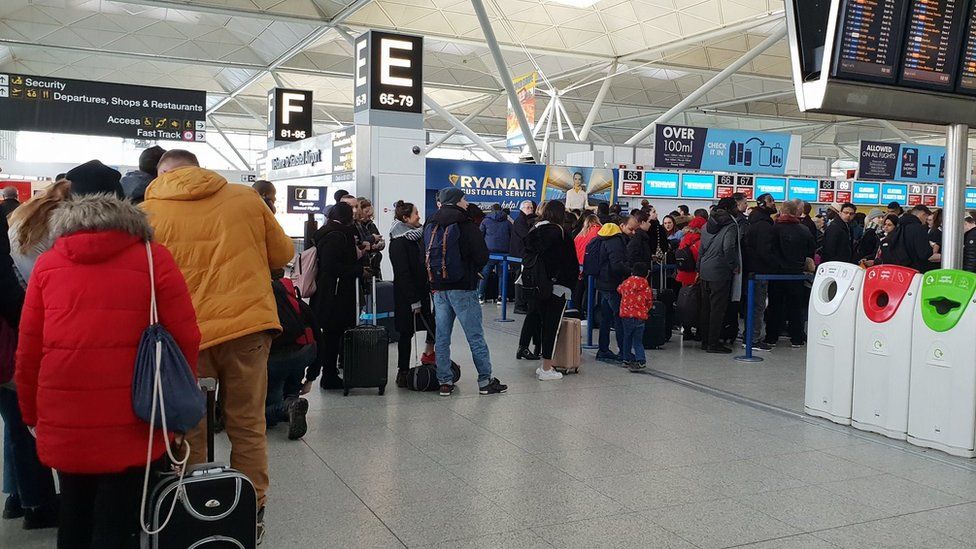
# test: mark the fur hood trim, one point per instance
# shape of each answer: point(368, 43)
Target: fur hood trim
point(99, 212)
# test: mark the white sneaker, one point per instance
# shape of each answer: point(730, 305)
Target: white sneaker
point(538, 371)
point(550, 375)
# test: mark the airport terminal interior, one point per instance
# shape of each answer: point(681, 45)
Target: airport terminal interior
point(823, 144)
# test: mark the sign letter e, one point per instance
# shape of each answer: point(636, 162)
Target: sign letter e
point(387, 60)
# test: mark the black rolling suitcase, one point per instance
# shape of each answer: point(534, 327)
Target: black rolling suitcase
point(366, 355)
point(660, 319)
point(216, 509)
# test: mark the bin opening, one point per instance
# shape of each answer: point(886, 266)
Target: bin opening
point(881, 299)
point(944, 305)
point(828, 291)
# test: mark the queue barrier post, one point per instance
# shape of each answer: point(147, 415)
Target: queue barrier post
point(750, 298)
point(503, 287)
point(590, 290)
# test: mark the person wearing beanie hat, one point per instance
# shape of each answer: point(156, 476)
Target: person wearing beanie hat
point(456, 254)
point(867, 246)
point(838, 241)
point(93, 177)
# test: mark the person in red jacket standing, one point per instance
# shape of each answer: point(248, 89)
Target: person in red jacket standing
point(86, 307)
point(687, 278)
point(636, 300)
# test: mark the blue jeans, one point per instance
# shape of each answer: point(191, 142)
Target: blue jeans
point(463, 305)
point(610, 317)
point(633, 349)
point(492, 264)
point(23, 474)
point(285, 373)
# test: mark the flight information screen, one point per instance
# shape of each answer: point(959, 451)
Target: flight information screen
point(869, 39)
point(967, 65)
point(932, 38)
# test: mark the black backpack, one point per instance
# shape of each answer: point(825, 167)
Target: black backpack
point(893, 250)
point(685, 260)
point(424, 377)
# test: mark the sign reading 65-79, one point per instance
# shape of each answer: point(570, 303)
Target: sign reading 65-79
point(388, 83)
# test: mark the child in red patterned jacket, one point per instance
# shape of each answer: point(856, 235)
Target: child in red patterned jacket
point(636, 299)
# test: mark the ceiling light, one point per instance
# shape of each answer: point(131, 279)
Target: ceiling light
point(575, 3)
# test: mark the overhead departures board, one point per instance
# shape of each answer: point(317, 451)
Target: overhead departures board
point(967, 64)
point(932, 38)
point(869, 40)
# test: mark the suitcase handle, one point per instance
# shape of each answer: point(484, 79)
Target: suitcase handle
point(359, 307)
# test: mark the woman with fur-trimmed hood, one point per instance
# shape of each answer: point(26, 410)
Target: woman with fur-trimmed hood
point(86, 307)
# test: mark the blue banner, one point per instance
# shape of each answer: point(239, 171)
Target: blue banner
point(774, 186)
point(486, 183)
point(660, 184)
point(739, 151)
point(892, 192)
point(804, 189)
point(909, 163)
point(698, 185)
point(866, 194)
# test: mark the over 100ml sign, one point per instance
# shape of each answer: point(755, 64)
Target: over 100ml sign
point(62, 105)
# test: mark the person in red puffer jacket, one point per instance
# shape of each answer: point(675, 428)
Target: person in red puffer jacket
point(692, 240)
point(86, 307)
point(636, 299)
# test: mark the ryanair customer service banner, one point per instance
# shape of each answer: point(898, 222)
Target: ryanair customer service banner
point(487, 183)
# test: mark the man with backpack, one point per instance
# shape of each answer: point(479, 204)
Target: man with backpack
point(456, 252)
point(292, 351)
point(909, 245)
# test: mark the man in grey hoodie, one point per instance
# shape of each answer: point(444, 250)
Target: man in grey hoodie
point(720, 261)
point(134, 183)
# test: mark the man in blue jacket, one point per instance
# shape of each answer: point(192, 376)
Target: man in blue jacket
point(457, 297)
point(497, 231)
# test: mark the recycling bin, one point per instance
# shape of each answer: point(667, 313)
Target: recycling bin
point(883, 350)
point(942, 397)
point(830, 343)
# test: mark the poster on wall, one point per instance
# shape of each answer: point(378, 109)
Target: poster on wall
point(486, 183)
point(880, 161)
point(739, 151)
point(579, 188)
point(525, 88)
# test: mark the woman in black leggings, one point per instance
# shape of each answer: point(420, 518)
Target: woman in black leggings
point(411, 290)
point(550, 242)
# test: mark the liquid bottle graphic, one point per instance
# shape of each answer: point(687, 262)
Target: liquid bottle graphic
point(733, 151)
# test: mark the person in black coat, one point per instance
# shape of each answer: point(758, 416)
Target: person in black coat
point(641, 246)
point(520, 229)
point(334, 301)
point(758, 258)
point(969, 245)
point(411, 288)
point(551, 243)
point(867, 246)
point(613, 271)
point(838, 245)
point(909, 245)
point(793, 251)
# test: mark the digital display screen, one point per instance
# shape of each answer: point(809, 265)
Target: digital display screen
point(869, 39)
point(970, 198)
point(661, 184)
point(894, 193)
point(698, 185)
point(775, 186)
point(803, 189)
point(932, 38)
point(866, 193)
point(967, 65)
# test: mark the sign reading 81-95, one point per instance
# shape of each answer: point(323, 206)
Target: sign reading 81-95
point(738, 151)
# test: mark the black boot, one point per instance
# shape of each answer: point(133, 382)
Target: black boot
point(524, 354)
point(41, 517)
point(331, 382)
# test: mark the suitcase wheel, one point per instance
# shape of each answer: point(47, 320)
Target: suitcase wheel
point(345, 392)
point(382, 390)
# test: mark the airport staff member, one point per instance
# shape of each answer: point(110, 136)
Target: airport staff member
point(576, 198)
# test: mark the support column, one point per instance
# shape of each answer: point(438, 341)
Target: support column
point(957, 164)
point(506, 76)
point(468, 132)
point(598, 102)
point(694, 96)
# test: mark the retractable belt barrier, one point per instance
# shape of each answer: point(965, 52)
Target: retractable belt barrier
point(503, 283)
point(750, 297)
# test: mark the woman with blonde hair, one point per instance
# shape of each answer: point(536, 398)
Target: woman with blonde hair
point(29, 227)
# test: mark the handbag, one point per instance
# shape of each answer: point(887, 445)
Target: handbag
point(165, 394)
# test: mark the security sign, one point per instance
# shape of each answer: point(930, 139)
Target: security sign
point(388, 79)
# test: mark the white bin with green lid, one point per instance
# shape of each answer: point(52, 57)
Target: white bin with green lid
point(942, 397)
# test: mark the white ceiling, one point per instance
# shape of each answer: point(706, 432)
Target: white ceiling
point(665, 50)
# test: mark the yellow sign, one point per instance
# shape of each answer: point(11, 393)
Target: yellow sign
point(525, 88)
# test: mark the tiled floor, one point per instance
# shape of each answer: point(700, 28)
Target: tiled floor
point(602, 459)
